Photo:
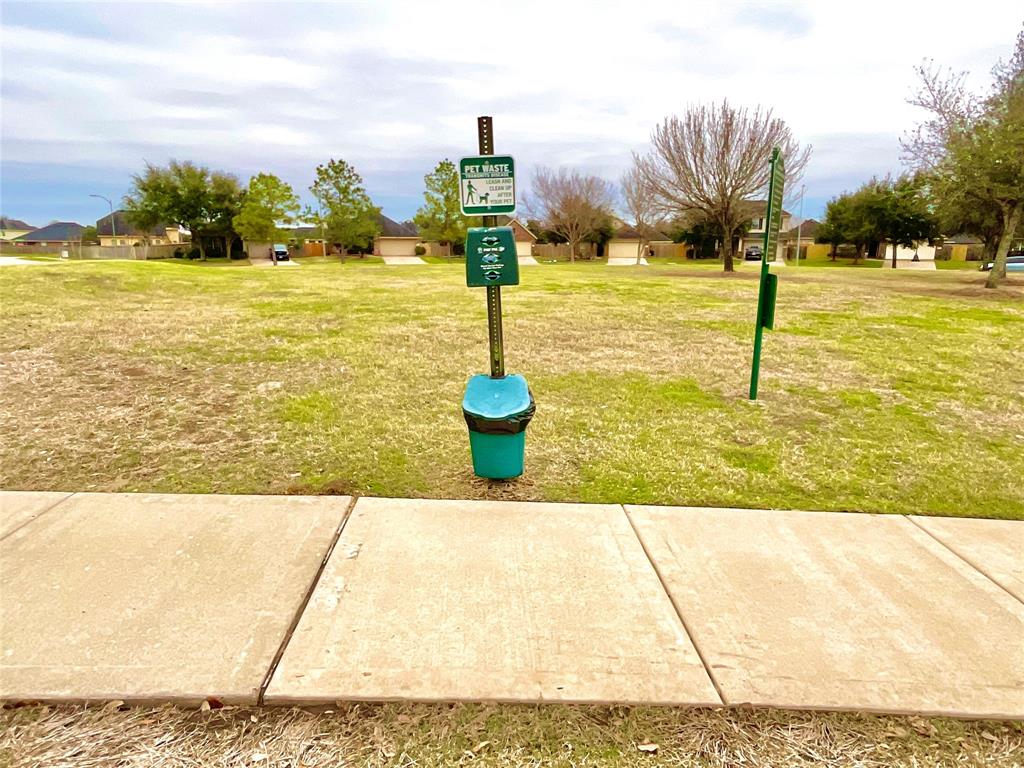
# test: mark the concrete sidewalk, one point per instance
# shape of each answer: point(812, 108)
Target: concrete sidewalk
point(309, 600)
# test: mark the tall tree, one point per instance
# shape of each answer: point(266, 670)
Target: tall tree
point(574, 205)
point(268, 202)
point(346, 211)
point(714, 160)
point(642, 208)
point(188, 195)
point(973, 146)
point(440, 218)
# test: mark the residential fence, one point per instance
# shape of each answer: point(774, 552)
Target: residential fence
point(76, 250)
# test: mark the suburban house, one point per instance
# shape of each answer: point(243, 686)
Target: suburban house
point(117, 229)
point(625, 242)
point(755, 236)
point(54, 235)
point(808, 248)
point(962, 248)
point(309, 237)
point(13, 228)
point(395, 239)
point(524, 237)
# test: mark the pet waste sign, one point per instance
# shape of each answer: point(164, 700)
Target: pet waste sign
point(487, 185)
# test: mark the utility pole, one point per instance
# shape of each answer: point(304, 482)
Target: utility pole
point(113, 227)
point(800, 225)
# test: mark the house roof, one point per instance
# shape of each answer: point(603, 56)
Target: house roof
point(808, 229)
point(962, 239)
point(760, 208)
point(58, 230)
point(518, 226)
point(391, 228)
point(124, 226)
point(8, 223)
point(629, 232)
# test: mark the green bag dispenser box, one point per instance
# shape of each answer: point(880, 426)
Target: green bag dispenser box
point(497, 412)
point(491, 257)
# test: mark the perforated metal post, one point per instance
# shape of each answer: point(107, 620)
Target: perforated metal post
point(485, 137)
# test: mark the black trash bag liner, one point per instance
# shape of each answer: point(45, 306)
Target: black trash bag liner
point(512, 425)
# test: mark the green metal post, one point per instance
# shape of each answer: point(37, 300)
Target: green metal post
point(755, 369)
point(773, 215)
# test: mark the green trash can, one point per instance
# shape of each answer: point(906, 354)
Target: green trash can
point(497, 412)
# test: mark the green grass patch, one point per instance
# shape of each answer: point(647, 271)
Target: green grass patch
point(881, 391)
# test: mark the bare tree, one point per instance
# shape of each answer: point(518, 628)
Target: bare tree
point(953, 108)
point(714, 160)
point(642, 208)
point(572, 204)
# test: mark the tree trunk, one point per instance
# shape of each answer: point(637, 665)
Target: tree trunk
point(894, 255)
point(202, 251)
point(641, 246)
point(860, 252)
point(1011, 218)
point(727, 233)
point(228, 242)
point(835, 248)
point(572, 251)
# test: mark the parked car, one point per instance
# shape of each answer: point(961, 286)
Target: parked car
point(280, 252)
point(753, 253)
point(1014, 263)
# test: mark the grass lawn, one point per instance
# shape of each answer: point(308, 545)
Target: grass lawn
point(881, 391)
point(442, 735)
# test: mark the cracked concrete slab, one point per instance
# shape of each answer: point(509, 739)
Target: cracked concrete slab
point(155, 597)
point(19, 507)
point(494, 601)
point(838, 611)
point(994, 547)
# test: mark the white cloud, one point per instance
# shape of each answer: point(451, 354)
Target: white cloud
point(393, 87)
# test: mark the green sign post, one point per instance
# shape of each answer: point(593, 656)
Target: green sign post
point(769, 282)
point(487, 185)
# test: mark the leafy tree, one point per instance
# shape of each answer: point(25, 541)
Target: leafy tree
point(897, 211)
point(973, 147)
point(440, 218)
point(186, 194)
point(268, 201)
point(714, 160)
point(89, 235)
point(882, 209)
point(544, 235)
point(346, 211)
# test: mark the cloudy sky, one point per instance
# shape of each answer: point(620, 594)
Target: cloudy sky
point(91, 91)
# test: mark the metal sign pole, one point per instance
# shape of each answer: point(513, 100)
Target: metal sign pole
point(768, 282)
point(485, 136)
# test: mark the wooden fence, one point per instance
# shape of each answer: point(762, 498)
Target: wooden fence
point(75, 250)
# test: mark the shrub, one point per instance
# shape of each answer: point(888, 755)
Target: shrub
point(420, 250)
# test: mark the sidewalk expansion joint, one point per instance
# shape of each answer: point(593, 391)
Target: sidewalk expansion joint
point(963, 557)
point(37, 516)
point(305, 601)
point(675, 607)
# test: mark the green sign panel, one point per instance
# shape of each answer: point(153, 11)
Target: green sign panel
point(491, 257)
point(487, 185)
point(769, 283)
point(774, 216)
